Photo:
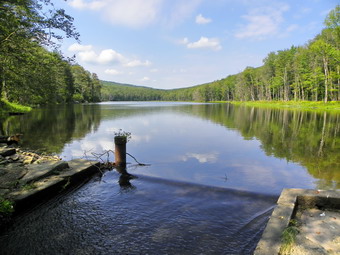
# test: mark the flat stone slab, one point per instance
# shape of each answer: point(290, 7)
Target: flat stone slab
point(46, 182)
point(10, 175)
point(39, 186)
point(289, 203)
point(77, 166)
point(38, 171)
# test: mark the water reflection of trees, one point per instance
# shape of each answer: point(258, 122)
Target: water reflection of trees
point(309, 138)
point(50, 129)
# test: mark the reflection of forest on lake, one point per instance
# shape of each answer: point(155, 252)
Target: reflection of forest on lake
point(49, 129)
point(309, 138)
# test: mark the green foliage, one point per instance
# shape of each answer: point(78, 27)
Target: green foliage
point(112, 91)
point(288, 238)
point(6, 206)
point(78, 97)
point(319, 105)
point(29, 73)
point(123, 134)
point(6, 107)
point(30, 186)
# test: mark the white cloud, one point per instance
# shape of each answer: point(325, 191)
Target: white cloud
point(93, 5)
point(204, 42)
point(88, 56)
point(202, 20)
point(262, 22)
point(105, 57)
point(139, 13)
point(110, 56)
point(132, 13)
point(77, 47)
point(137, 62)
point(113, 72)
point(155, 70)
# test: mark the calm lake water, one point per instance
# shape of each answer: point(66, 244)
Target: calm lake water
point(215, 173)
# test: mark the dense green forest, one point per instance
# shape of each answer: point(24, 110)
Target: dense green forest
point(32, 71)
point(308, 72)
point(113, 91)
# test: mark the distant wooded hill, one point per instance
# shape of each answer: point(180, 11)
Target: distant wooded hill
point(309, 72)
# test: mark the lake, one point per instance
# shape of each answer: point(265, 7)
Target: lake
point(213, 176)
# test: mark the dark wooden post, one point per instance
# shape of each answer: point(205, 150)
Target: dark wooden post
point(120, 150)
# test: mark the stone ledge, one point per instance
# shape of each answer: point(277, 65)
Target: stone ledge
point(287, 205)
point(52, 185)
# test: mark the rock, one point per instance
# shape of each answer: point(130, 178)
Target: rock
point(2, 172)
point(28, 160)
point(10, 175)
point(4, 192)
point(4, 162)
point(14, 157)
point(39, 171)
point(7, 151)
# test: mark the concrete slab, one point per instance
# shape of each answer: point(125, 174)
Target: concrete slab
point(54, 183)
point(290, 202)
point(319, 231)
point(38, 171)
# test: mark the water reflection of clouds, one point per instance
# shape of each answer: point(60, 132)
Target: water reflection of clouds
point(201, 157)
point(184, 147)
point(140, 138)
point(267, 177)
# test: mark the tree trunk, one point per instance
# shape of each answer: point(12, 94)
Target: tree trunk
point(322, 142)
point(1, 82)
point(325, 65)
point(338, 72)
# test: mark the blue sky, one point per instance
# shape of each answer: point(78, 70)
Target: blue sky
point(180, 43)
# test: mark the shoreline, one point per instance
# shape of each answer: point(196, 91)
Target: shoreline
point(28, 179)
point(296, 105)
point(8, 108)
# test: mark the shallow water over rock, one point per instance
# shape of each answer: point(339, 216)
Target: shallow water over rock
point(153, 216)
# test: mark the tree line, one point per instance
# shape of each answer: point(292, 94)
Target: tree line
point(309, 72)
point(32, 70)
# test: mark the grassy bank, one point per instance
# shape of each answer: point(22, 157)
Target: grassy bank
point(7, 107)
point(308, 105)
